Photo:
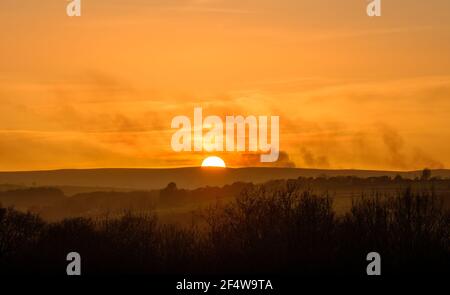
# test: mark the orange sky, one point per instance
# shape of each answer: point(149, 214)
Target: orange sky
point(101, 90)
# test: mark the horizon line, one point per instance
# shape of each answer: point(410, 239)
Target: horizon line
point(225, 168)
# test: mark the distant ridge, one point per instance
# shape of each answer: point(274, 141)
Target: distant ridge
point(193, 177)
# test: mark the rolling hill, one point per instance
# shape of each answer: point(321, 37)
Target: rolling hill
point(193, 177)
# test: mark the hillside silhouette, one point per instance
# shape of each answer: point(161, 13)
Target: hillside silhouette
point(176, 203)
point(277, 227)
point(303, 225)
point(188, 178)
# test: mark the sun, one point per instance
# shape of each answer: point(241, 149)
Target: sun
point(213, 162)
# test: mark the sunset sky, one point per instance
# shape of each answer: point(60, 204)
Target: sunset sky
point(101, 90)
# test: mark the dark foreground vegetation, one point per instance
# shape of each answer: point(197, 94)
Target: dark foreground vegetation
point(268, 229)
point(173, 204)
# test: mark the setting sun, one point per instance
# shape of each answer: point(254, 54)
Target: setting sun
point(213, 162)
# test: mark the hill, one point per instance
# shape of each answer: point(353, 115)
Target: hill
point(190, 178)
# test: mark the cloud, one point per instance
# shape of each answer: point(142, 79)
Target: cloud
point(314, 161)
point(384, 125)
point(254, 160)
point(394, 146)
point(422, 159)
point(400, 157)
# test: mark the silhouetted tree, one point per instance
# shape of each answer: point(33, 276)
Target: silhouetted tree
point(426, 174)
point(277, 227)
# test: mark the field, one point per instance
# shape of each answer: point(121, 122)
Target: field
point(299, 226)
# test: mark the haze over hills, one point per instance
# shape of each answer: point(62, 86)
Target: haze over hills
point(193, 177)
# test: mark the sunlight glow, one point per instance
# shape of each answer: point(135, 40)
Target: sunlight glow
point(213, 162)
